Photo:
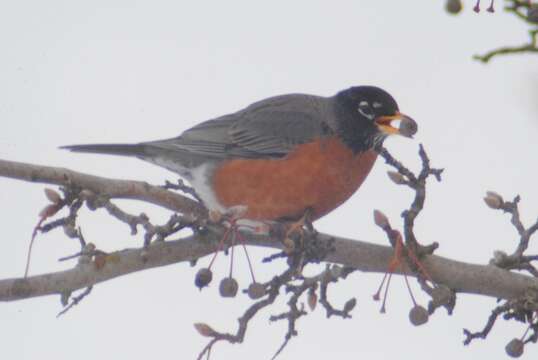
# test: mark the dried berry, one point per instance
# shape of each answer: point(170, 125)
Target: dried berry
point(453, 6)
point(408, 127)
point(255, 290)
point(228, 287)
point(203, 278)
point(418, 315)
point(515, 348)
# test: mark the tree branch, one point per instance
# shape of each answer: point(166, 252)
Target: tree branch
point(112, 188)
point(463, 277)
point(517, 7)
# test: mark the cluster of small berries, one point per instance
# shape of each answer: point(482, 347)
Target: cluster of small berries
point(228, 286)
point(455, 7)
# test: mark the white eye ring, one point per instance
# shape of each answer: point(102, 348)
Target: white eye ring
point(377, 105)
point(365, 110)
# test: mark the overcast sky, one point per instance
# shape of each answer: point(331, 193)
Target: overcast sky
point(125, 71)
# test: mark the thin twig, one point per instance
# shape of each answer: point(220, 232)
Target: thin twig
point(76, 300)
point(517, 8)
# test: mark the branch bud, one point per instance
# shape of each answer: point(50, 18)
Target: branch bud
point(48, 211)
point(381, 219)
point(493, 200)
point(312, 300)
point(396, 177)
point(204, 330)
point(53, 196)
point(350, 305)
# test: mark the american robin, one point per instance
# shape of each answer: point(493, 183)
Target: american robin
point(280, 157)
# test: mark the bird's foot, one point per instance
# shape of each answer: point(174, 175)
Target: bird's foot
point(300, 242)
point(234, 217)
point(295, 232)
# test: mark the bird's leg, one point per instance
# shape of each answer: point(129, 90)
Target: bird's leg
point(220, 246)
point(297, 227)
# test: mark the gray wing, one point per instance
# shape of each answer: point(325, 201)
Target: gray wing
point(269, 128)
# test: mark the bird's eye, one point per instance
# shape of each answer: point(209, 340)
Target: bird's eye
point(366, 110)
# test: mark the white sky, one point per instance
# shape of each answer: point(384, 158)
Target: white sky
point(74, 72)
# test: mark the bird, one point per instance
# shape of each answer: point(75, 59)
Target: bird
point(281, 157)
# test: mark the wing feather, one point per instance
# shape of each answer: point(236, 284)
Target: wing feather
point(269, 128)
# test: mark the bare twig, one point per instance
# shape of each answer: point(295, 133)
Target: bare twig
point(521, 309)
point(517, 260)
point(518, 8)
point(470, 336)
point(57, 203)
point(525, 307)
point(418, 185)
point(441, 295)
point(527, 48)
point(296, 285)
point(272, 293)
point(76, 300)
point(113, 188)
point(181, 186)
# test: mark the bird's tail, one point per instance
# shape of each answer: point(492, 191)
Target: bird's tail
point(111, 149)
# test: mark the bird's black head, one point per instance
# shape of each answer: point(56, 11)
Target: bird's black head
point(364, 115)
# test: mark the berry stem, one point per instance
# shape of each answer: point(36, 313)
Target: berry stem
point(383, 305)
point(219, 247)
point(476, 8)
point(409, 288)
point(491, 7)
point(232, 253)
point(242, 240)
